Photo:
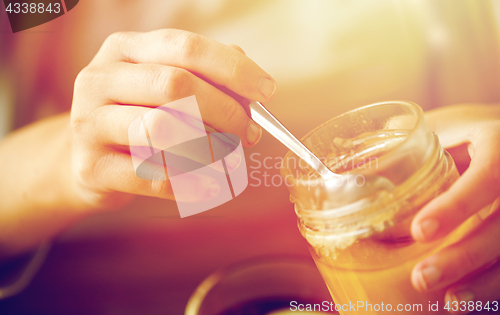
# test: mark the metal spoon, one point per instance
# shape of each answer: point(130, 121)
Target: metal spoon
point(373, 182)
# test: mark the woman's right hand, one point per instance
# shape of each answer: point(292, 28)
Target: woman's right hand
point(135, 72)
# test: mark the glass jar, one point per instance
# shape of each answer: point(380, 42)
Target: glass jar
point(363, 247)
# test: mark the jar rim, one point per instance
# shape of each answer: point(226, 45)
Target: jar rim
point(419, 114)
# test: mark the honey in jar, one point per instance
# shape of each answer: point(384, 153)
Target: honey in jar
point(363, 247)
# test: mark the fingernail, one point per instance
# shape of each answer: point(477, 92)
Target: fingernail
point(267, 87)
point(428, 229)
point(232, 161)
point(429, 277)
point(463, 296)
point(254, 132)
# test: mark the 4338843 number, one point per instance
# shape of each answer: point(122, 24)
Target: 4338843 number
point(470, 306)
point(33, 8)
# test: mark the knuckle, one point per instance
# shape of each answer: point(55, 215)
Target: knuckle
point(120, 40)
point(83, 78)
point(91, 80)
point(115, 39)
point(175, 83)
point(158, 127)
point(84, 167)
point(88, 88)
point(187, 44)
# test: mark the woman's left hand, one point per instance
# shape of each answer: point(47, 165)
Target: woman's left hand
point(471, 133)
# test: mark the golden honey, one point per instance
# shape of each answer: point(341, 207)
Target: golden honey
point(363, 248)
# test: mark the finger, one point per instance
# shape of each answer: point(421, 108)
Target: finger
point(147, 131)
point(115, 172)
point(154, 85)
point(477, 249)
point(483, 291)
point(210, 59)
point(475, 189)
point(452, 132)
point(136, 84)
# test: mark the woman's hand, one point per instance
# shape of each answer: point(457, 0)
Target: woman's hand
point(58, 170)
point(134, 72)
point(471, 133)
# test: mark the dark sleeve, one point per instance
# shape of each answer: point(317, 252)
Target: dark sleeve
point(16, 273)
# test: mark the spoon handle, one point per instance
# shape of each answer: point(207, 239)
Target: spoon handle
point(272, 125)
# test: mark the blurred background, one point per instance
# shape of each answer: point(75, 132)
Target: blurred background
point(327, 57)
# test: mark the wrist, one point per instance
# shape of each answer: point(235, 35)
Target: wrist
point(38, 196)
